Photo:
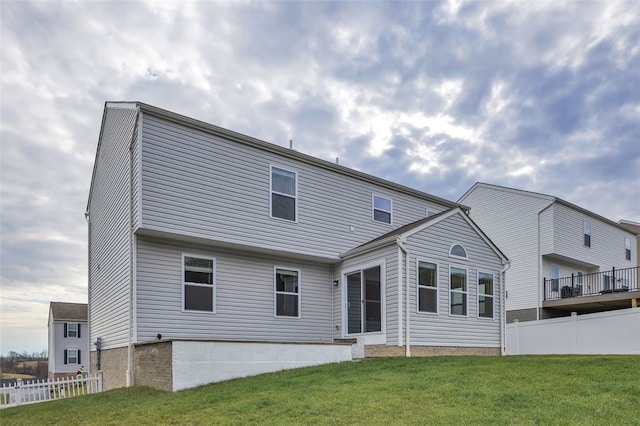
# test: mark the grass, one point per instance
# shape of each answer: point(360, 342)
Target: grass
point(441, 390)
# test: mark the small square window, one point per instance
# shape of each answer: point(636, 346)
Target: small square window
point(382, 209)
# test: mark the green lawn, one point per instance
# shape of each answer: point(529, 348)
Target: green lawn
point(440, 390)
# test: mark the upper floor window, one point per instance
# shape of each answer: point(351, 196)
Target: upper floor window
point(457, 250)
point(287, 290)
point(627, 248)
point(284, 193)
point(198, 284)
point(587, 233)
point(382, 209)
point(71, 329)
point(485, 295)
point(458, 291)
point(427, 287)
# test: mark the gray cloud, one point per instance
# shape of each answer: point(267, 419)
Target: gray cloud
point(541, 96)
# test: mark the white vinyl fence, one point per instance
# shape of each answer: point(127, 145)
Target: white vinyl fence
point(32, 391)
point(612, 332)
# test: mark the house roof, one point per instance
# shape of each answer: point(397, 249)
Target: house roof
point(630, 226)
point(417, 226)
point(551, 198)
point(266, 146)
point(68, 311)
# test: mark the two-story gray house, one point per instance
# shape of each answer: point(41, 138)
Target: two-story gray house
point(215, 255)
point(68, 339)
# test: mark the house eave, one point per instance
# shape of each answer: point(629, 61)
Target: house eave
point(290, 153)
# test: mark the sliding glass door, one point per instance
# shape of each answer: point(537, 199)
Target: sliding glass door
point(364, 301)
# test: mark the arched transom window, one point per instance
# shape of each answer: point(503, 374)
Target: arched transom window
point(458, 251)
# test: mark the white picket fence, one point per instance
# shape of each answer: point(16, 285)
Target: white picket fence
point(32, 391)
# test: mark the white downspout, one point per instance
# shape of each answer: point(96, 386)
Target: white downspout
point(400, 282)
point(407, 346)
point(503, 308)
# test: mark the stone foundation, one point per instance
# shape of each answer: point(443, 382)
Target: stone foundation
point(378, 351)
point(152, 364)
point(113, 363)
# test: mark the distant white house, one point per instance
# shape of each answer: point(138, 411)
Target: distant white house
point(68, 338)
point(564, 258)
point(215, 255)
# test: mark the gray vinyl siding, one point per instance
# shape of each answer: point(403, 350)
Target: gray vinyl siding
point(244, 296)
point(388, 256)
point(510, 219)
point(442, 329)
point(109, 230)
point(607, 241)
point(135, 179)
point(61, 343)
point(196, 184)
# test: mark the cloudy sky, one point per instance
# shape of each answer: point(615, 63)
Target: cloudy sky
point(543, 96)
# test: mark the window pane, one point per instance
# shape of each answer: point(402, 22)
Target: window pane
point(381, 203)
point(485, 283)
point(381, 216)
point(458, 279)
point(72, 356)
point(72, 330)
point(283, 207)
point(283, 181)
point(485, 307)
point(198, 298)
point(287, 281)
point(286, 305)
point(373, 320)
point(427, 299)
point(198, 270)
point(354, 303)
point(427, 274)
point(458, 250)
point(372, 283)
point(458, 303)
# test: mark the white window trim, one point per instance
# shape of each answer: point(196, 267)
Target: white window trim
point(373, 208)
point(67, 359)
point(459, 257)
point(586, 224)
point(271, 192)
point(493, 295)
point(276, 292)
point(215, 297)
point(69, 324)
point(627, 246)
point(449, 290)
point(418, 286)
point(383, 300)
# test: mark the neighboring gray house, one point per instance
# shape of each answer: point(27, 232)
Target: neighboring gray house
point(68, 338)
point(564, 258)
point(215, 255)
